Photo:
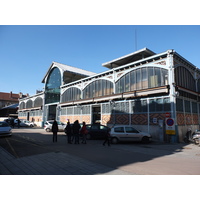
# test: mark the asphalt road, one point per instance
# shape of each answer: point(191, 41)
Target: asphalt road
point(137, 158)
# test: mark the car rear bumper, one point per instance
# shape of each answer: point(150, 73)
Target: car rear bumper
point(5, 134)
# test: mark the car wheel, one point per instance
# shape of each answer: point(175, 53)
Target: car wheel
point(88, 137)
point(114, 140)
point(31, 125)
point(196, 141)
point(48, 130)
point(145, 139)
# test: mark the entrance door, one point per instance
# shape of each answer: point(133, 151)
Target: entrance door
point(28, 116)
point(96, 114)
point(52, 112)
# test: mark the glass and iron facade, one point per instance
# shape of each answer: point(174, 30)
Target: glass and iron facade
point(143, 93)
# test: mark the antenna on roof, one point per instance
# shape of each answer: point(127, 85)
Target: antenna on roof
point(135, 39)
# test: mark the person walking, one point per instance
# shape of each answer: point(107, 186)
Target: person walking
point(12, 123)
point(84, 132)
point(76, 128)
point(107, 138)
point(55, 130)
point(68, 131)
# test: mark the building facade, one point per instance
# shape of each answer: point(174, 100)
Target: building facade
point(158, 93)
point(9, 103)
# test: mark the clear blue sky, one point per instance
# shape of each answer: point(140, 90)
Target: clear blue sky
point(26, 52)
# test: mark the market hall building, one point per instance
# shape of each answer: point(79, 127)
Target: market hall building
point(157, 93)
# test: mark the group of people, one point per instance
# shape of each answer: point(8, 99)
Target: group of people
point(73, 132)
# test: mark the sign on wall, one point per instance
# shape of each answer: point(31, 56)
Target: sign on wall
point(170, 127)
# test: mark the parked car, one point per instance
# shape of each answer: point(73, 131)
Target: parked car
point(48, 126)
point(96, 131)
point(5, 129)
point(128, 133)
point(24, 123)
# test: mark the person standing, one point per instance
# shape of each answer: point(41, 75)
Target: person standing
point(68, 131)
point(84, 132)
point(76, 128)
point(55, 130)
point(107, 138)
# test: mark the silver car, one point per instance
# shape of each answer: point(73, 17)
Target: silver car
point(5, 129)
point(48, 126)
point(128, 133)
point(24, 123)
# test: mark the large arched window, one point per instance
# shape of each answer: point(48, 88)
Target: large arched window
point(52, 88)
point(22, 105)
point(38, 102)
point(184, 78)
point(71, 94)
point(29, 104)
point(142, 78)
point(98, 88)
point(198, 85)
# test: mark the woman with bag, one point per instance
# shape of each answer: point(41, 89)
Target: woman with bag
point(84, 132)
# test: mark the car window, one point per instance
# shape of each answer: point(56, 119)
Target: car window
point(88, 126)
point(103, 127)
point(95, 127)
point(3, 124)
point(119, 129)
point(131, 130)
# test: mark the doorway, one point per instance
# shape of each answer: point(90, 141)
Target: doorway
point(96, 114)
point(52, 112)
point(28, 116)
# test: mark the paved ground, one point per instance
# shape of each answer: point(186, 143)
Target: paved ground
point(77, 160)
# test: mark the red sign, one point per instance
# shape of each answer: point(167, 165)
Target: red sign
point(167, 115)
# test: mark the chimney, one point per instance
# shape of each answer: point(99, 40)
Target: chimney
point(20, 95)
point(11, 95)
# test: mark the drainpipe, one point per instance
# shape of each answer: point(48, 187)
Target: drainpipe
point(172, 94)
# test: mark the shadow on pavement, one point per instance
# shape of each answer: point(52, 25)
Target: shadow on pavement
point(24, 143)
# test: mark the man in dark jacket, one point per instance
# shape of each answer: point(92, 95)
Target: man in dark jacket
point(68, 132)
point(55, 130)
point(76, 128)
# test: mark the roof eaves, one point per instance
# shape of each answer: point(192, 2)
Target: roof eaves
point(128, 55)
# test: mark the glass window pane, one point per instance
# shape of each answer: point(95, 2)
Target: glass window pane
point(138, 79)
point(194, 107)
point(127, 82)
point(152, 105)
point(187, 106)
point(119, 129)
point(131, 130)
point(179, 105)
point(144, 78)
point(151, 77)
point(167, 104)
point(157, 77)
point(144, 105)
point(52, 88)
point(132, 81)
point(159, 104)
point(164, 77)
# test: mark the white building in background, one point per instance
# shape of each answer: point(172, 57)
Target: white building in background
point(158, 93)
